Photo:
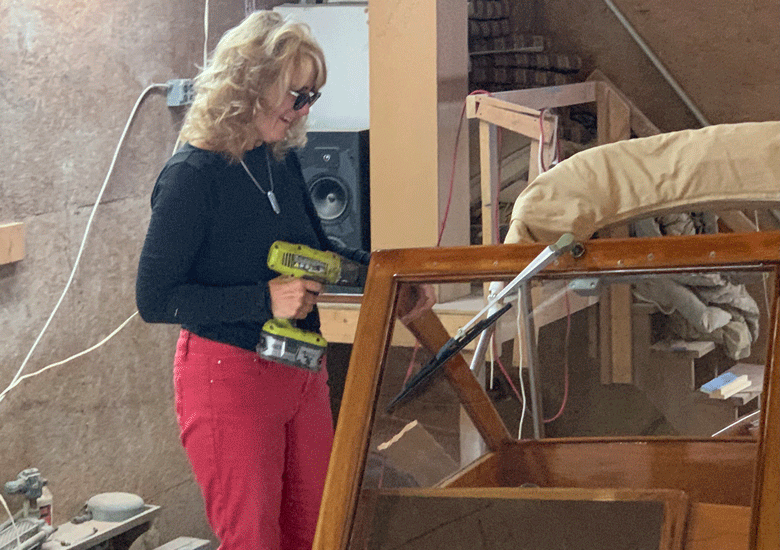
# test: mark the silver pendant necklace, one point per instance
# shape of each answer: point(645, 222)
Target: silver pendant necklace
point(270, 192)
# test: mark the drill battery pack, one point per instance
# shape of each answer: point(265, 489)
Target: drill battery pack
point(284, 343)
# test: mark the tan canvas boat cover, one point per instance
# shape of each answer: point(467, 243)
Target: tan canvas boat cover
point(717, 167)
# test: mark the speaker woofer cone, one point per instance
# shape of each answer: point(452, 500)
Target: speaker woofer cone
point(330, 197)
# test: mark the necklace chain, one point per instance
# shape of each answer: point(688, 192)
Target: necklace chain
point(270, 193)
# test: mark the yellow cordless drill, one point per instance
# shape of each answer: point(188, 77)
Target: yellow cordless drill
point(280, 340)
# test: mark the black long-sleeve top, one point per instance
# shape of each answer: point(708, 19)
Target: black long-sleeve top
point(204, 260)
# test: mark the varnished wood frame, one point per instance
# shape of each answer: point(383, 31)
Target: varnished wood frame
point(391, 268)
point(675, 504)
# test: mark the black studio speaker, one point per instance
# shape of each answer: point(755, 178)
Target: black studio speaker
point(335, 168)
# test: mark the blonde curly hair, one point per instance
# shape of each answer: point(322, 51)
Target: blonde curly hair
point(249, 72)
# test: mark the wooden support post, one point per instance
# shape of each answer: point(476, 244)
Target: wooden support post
point(418, 83)
point(489, 159)
point(533, 165)
point(640, 124)
point(614, 124)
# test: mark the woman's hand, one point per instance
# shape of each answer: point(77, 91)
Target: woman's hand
point(414, 300)
point(293, 298)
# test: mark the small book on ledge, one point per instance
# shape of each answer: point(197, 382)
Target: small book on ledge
point(726, 385)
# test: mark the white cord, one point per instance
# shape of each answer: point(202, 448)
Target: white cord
point(206, 33)
point(84, 238)
point(148, 89)
point(492, 361)
point(520, 372)
point(71, 358)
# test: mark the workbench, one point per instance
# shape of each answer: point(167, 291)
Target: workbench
point(339, 316)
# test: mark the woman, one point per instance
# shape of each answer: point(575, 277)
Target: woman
point(257, 433)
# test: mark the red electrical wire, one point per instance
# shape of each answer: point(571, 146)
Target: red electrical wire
point(447, 208)
point(506, 374)
point(454, 159)
point(565, 361)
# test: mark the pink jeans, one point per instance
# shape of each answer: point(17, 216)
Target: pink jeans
point(258, 435)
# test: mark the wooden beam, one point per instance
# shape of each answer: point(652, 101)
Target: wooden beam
point(553, 96)
point(640, 124)
point(717, 526)
point(418, 84)
point(475, 102)
point(506, 115)
point(489, 159)
point(616, 342)
point(11, 242)
point(737, 221)
point(419, 185)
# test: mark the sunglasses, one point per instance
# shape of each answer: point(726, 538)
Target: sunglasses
point(302, 98)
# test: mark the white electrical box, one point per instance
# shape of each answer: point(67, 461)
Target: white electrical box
point(341, 29)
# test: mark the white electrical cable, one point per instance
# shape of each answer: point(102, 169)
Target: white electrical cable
point(205, 33)
point(520, 373)
point(84, 238)
point(71, 358)
point(148, 89)
point(492, 361)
